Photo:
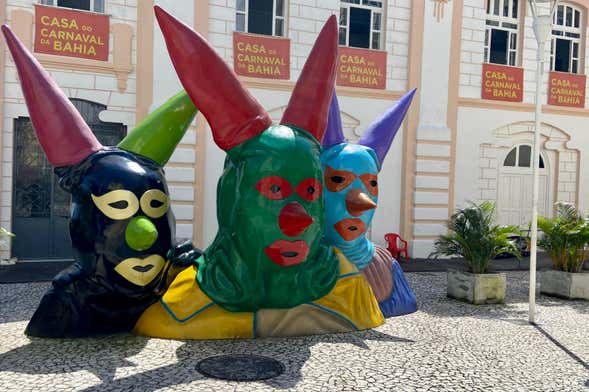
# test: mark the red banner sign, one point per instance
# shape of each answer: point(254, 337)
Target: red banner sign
point(566, 89)
point(261, 57)
point(503, 83)
point(71, 33)
point(362, 68)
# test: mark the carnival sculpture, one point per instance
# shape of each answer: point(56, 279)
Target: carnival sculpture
point(121, 227)
point(351, 178)
point(282, 263)
point(268, 271)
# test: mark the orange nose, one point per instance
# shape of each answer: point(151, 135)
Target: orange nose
point(293, 219)
point(357, 202)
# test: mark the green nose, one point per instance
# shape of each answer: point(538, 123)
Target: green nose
point(140, 233)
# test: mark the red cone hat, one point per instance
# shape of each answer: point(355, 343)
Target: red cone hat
point(309, 103)
point(232, 112)
point(64, 135)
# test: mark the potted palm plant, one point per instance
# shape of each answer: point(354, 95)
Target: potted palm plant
point(566, 240)
point(473, 235)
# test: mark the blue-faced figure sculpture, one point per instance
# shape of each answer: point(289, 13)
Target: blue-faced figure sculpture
point(351, 182)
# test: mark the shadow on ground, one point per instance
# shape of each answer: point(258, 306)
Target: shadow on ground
point(103, 356)
point(19, 301)
point(99, 356)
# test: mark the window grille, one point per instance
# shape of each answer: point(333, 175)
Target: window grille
point(565, 45)
point(260, 17)
point(86, 5)
point(501, 32)
point(361, 24)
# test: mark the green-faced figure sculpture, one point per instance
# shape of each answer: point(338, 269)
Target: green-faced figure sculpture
point(268, 252)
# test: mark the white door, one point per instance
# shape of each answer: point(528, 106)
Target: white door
point(514, 188)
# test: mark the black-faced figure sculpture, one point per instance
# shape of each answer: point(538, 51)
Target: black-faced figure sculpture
point(121, 225)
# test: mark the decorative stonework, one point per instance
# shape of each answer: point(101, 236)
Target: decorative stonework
point(350, 124)
point(181, 176)
point(472, 49)
point(121, 62)
point(488, 167)
point(562, 173)
point(439, 9)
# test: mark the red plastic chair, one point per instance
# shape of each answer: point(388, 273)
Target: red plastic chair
point(393, 240)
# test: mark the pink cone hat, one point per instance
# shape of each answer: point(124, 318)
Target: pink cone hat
point(64, 135)
point(309, 103)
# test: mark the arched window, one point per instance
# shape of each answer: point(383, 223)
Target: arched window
point(86, 5)
point(565, 48)
point(361, 23)
point(521, 156)
point(260, 17)
point(501, 32)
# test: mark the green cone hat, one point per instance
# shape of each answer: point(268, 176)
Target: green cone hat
point(157, 136)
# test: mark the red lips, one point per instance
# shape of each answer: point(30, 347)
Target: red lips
point(287, 253)
point(350, 229)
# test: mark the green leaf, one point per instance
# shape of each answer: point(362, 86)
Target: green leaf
point(565, 237)
point(474, 236)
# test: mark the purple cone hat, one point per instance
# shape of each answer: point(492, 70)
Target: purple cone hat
point(380, 134)
point(334, 133)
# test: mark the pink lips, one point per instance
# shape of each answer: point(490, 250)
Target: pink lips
point(287, 253)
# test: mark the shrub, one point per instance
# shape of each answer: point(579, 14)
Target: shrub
point(474, 236)
point(565, 237)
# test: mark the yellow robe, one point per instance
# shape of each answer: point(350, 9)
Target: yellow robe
point(186, 312)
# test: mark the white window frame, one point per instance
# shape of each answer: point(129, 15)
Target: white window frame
point(275, 17)
point(499, 21)
point(53, 3)
point(569, 33)
point(345, 6)
point(517, 149)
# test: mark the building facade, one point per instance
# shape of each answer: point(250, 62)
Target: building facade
point(468, 135)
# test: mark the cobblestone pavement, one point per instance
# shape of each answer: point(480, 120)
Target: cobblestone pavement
point(446, 346)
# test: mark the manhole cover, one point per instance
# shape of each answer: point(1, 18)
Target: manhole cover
point(240, 367)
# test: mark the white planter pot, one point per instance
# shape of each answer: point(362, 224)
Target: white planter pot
point(477, 288)
point(571, 285)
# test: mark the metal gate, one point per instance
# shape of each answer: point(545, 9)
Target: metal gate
point(40, 208)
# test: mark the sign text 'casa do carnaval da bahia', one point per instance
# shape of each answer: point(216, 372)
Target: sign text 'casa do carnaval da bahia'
point(502, 83)
point(565, 89)
point(261, 57)
point(269, 58)
point(71, 33)
point(362, 68)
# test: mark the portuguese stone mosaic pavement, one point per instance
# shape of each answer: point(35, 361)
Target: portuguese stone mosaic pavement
point(445, 346)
